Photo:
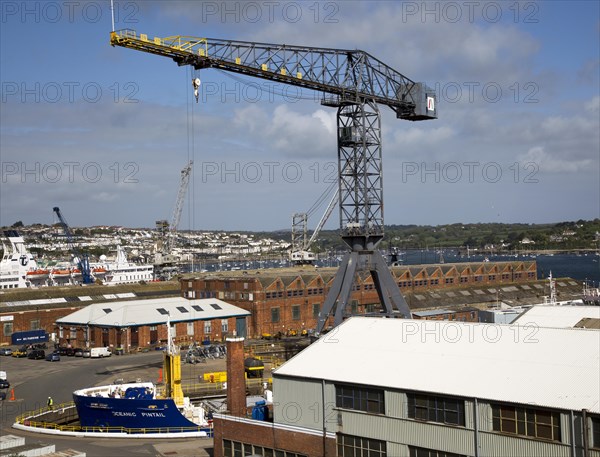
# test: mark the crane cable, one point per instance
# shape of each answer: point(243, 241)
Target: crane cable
point(190, 148)
point(322, 198)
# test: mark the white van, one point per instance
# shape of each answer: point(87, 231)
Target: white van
point(99, 352)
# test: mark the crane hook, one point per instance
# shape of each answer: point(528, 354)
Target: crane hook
point(196, 85)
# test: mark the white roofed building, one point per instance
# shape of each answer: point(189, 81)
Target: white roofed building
point(141, 323)
point(412, 388)
point(558, 316)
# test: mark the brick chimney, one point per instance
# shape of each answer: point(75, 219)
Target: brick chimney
point(236, 381)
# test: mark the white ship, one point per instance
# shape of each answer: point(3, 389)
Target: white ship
point(16, 261)
point(121, 271)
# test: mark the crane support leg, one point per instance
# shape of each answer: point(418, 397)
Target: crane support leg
point(392, 302)
point(361, 213)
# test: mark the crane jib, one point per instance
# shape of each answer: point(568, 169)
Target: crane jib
point(349, 76)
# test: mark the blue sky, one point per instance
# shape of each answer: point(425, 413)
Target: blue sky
point(104, 132)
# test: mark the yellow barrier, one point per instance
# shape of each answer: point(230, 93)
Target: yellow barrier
point(218, 376)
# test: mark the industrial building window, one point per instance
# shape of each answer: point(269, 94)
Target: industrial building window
point(537, 423)
point(349, 445)
point(274, 314)
point(207, 327)
point(237, 449)
point(296, 312)
point(190, 329)
point(445, 410)
point(316, 308)
point(224, 325)
point(73, 333)
point(215, 306)
point(182, 309)
point(360, 398)
point(197, 308)
point(422, 452)
point(595, 432)
point(8, 328)
point(35, 324)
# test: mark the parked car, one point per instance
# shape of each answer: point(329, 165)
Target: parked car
point(53, 357)
point(6, 351)
point(2, 396)
point(37, 354)
point(4, 384)
point(62, 350)
point(78, 352)
point(19, 353)
point(70, 352)
point(87, 353)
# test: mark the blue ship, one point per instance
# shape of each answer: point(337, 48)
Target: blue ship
point(136, 408)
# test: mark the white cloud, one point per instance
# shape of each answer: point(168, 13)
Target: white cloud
point(550, 164)
point(593, 106)
point(424, 138)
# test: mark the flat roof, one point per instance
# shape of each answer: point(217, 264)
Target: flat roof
point(557, 316)
point(432, 312)
point(151, 312)
point(550, 367)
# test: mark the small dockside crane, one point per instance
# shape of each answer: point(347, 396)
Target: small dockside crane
point(82, 260)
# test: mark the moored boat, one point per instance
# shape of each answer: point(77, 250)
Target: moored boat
point(138, 407)
point(16, 261)
point(122, 271)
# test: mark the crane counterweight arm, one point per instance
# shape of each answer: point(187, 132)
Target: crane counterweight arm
point(346, 75)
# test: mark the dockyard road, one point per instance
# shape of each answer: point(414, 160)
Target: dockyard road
point(35, 380)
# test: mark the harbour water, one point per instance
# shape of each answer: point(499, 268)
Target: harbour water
point(580, 267)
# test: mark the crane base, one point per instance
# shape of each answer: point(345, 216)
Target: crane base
point(391, 300)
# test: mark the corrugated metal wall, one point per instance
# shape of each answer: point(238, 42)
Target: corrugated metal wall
point(450, 439)
point(298, 402)
point(497, 445)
